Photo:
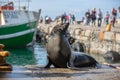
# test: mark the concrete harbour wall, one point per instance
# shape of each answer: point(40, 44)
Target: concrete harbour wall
point(90, 36)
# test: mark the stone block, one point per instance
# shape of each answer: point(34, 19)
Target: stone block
point(84, 38)
point(93, 50)
point(95, 35)
point(100, 44)
point(50, 29)
point(77, 37)
point(110, 45)
point(101, 51)
point(82, 33)
point(77, 31)
point(71, 32)
point(118, 37)
point(94, 44)
point(87, 33)
point(110, 36)
point(117, 47)
point(45, 29)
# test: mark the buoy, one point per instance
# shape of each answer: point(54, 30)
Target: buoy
point(108, 28)
point(101, 36)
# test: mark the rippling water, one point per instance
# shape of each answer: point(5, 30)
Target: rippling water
point(26, 56)
point(35, 56)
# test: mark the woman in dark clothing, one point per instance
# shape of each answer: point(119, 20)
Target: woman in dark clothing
point(93, 16)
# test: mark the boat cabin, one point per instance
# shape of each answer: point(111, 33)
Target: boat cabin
point(8, 6)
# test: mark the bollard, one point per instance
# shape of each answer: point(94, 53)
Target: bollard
point(4, 66)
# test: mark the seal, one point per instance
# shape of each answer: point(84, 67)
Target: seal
point(81, 59)
point(60, 53)
point(58, 47)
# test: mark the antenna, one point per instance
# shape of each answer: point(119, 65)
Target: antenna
point(19, 4)
point(28, 5)
point(23, 1)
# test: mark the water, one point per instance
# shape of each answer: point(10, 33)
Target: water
point(27, 56)
point(21, 57)
point(35, 56)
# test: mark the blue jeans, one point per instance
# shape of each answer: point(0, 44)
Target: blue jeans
point(87, 21)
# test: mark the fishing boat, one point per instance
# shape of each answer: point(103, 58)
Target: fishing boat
point(17, 27)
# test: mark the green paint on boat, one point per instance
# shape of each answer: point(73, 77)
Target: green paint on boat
point(16, 28)
point(18, 42)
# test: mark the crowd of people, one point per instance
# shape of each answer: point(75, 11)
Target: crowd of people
point(62, 18)
point(92, 17)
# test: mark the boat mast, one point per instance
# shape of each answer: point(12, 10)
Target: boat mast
point(28, 5)
point(19, 4)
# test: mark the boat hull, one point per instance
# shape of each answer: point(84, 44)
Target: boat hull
point(19, 41)
point(17, 35)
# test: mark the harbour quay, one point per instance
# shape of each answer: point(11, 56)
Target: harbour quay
point(95, 39)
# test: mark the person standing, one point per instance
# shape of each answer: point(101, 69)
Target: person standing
point(113, 16)
point(67, 17)
point(93, 16)
point(113, 19)
point(63, 17)
point(114, 12)
point(119, 14)
point(46, 19)
point(107, 16)
point(87, 15)
point(99, 17)
point(73, 18)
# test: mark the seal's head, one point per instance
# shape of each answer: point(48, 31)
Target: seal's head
point(60, 29)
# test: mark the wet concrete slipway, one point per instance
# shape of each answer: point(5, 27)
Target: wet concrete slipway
point(35, 72)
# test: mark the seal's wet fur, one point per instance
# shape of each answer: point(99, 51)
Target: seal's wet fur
point(58, 48)
point(60, 53)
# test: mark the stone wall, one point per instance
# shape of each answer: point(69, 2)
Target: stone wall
point(91, 38)
point(93, 43)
